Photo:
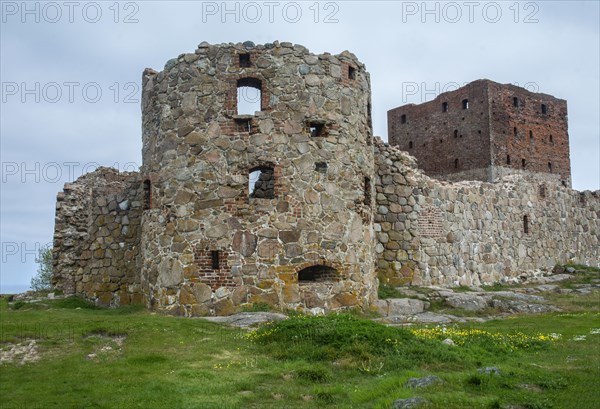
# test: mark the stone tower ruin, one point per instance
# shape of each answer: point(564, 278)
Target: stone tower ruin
point(485, 131)
point(268, 206)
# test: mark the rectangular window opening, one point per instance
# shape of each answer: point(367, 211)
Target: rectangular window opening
point(214, 259)
point(445, 107)
point(523, 163)
point(525, 224)
point(243, 125)
point(403, 119)
point(244, 60)
point(321, 167)
point(544, 109)
point(317, 129)
point(515, 102)
point(367, 186)
point(147, 194)
point(351, 73)
point(465, 104)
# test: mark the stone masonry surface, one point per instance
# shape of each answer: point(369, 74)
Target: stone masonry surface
point(295, 204)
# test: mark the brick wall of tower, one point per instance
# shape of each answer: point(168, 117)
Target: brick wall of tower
point(446, 135)
point(524, 137)
point(485, 131)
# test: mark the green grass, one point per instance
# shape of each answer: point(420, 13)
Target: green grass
point(387, 291)
point(258, 307)
point(338, 361)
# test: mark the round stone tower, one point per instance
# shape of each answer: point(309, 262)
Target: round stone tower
point(257, 170)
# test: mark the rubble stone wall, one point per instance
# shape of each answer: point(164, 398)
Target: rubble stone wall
point(97, 235)
point(472, 233)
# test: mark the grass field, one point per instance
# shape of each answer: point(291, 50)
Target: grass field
point(130, 358)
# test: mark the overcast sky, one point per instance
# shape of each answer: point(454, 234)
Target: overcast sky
point(71, 77)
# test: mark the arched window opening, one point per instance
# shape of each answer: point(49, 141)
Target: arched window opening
point(261, 182)
point(249, 96)
point(147, 194)
point(317, 274)
point(444, 107)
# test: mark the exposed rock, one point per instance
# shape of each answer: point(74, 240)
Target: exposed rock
point(489, 370)
point(466, 301)
point(403, 306)
point(415, 402)
point(248, 319)
point(514, 306)
point(415, 383)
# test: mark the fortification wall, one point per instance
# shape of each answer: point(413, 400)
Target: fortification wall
point(97, 235)
point(213, 243)
point(472, 233)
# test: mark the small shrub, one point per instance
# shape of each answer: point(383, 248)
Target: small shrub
point(42, 281)
point(17, 305)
